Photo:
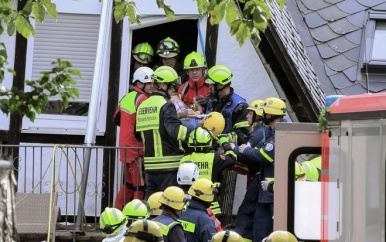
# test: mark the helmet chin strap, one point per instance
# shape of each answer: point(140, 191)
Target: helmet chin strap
point(217, 90)
point(161, 89)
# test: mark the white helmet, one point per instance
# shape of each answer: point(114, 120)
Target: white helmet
point(143, 74)
point(187, 173)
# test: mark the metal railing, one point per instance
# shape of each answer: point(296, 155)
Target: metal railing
point(59, 169)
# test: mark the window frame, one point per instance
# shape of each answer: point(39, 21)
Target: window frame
point(370, 64)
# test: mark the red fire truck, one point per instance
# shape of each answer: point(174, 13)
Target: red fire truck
point(348, 202)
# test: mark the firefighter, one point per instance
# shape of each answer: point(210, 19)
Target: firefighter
point(144, 231)
point(255, 120)
point(112, 223)
point(161, 132)
point(257, 206)
point(227, 236)
point(154, 205)
point(280, 236)
point(142, 56)
point(224, 100)
point(172, 202)
point(168, 50)
point(135, 210)
point(132, 157)
point(188, 172)
point(195, 87)
point(195, 219)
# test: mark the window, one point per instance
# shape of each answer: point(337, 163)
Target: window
point(375, 53)
point(73, 37)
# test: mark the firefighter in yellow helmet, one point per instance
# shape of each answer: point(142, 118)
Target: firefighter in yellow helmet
point(172, 202)
point(280, 236)
point(135, 210)
point(195, 219)
point(195, 88)
point(227, 236)
point(161, 132)
point(168, 51)
point(142, 57)
point(144, 231)
point(112, 223)
point(261, 165)
point(224, 100)
point(255, 120)
point(154, 204)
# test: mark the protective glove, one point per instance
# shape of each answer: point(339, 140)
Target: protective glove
point(232, 136)
point(222, 139)
point(202, 100)
point(264, 184)
point(243, 147)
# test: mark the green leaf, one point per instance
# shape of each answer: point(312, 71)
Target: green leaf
point(120, 11)
point(50, 8)
point(202, 6)
point(231, 13)
point(132, 14)
point(27, 10)
point(241, 34)
point(235, 26)
point(217, 14)
point(38, 11)
point(169, 12)
point(11, 28)
point(160, 3)
point(24, 27)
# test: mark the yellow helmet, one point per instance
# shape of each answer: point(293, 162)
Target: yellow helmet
point(215, 123)
point(173, 197)
point(256, 106)
point(112, 221)
point(168, 48)
point(203, 189)
point(155, 205)
point(300, 175)
point(310, 170)
point(135, 209)
point(219, 74)
point(165, 74)
point(194, 60)
point(274, 106)
point(200, 137)
point(280, 236)
point(143, 53)
point(227, 236)
point(144, 231)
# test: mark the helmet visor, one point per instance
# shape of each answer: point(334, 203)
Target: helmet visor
point(143, 58)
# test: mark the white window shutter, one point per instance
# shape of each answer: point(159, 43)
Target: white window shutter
point(72, 37)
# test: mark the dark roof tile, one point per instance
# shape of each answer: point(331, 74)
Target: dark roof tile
point(323, 34)
point(339, 63)
point(326, 51)
point(355, 37)
point(342, 26)
point(315, 5)
point(303, 8)
point(314, 20)
point(350, 7)
point(341, 44)
point(329, 71)
point(351, 73)
point(332, 13)
point(357, 19)
point(370, 3)
point(340, 81)
point(333, 1)
point(353, 54)
point(356, 88)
